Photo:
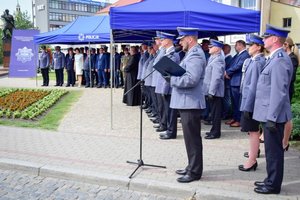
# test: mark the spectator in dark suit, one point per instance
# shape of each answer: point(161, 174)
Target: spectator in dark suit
point(227, 98)
point(234, 73)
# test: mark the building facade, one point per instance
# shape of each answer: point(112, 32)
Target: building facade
point(49, 15)
point(281, 13)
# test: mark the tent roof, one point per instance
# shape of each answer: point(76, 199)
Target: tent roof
point(117, 4)
point(95, 29)
point(210, 17)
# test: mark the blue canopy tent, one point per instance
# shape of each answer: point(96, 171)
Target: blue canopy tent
point(139, 21)
point(83, 30)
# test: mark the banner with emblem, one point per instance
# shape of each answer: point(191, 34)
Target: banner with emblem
point(24, 54)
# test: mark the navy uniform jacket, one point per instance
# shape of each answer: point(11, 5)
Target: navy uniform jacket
point(102, 62)
point(272, 94)
point(58, 60)
point(86, 62)
point(117, 59)
point(143, 58)
point(213, 83)
point(93, 61)
point(253, 68)
point(161, 52)
point(70, 62)
point(162, 86)
point(107, 58)
point(44, 60)
point(148, 70)
point(187, 89)
point(235, 69)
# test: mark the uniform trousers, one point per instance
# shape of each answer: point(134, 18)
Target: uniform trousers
point(191, 125)
point(171, 116)
point(147, 96)
point(45, 74)
point(274, 156)
point(235, 97)
point(161, 107)
point(59, 73)
point(216, 105)
point(154, 102)
point(71, 77)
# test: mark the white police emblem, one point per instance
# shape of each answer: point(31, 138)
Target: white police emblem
point(24, 55)
point(81, 37)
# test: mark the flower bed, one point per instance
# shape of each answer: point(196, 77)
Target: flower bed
point(27, 103)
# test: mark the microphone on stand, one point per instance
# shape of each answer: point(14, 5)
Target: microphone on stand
point(178, 49)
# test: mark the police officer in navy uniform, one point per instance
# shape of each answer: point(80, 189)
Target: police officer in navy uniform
point(188, 98)
point(44, 65)
point(58, 64)
point(213, 86)
point(169, 115)
point(272, 107)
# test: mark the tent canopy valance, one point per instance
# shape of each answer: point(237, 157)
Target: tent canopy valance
point(139, 21)
point(83, 30)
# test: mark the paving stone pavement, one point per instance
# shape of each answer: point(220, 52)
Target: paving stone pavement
point(18, 185)
point(85, 148)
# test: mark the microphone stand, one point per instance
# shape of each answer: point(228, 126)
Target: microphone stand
point(140, 161)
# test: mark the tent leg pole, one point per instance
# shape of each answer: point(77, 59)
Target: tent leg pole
point(111, 89)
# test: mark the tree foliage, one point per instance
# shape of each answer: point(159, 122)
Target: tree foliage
point(22, 20)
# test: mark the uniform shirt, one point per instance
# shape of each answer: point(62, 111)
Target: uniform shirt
point(58, 60)
point(162, 86)
point(160, 53)
point(144, 57)
point(187, 89)
point(213, 83)
point(252, 68)
point(44, 60)
point(148, 70)
point(272, 93)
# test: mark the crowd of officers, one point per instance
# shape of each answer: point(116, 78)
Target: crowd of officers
point(89, 67)
point(252, 89)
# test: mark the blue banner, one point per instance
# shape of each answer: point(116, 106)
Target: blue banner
point(24, 53)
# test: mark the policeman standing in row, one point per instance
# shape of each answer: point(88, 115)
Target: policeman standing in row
point(164, 89)
point(272, 107)
point(155, 97)
point(44, 65)
point(59, 63)
point(188, 98)
point(213, 86)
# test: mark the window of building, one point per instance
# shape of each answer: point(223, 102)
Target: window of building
point(287, 22)
point(248, 4)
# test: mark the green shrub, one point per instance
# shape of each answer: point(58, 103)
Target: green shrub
point(296, 97)
point(296, 120)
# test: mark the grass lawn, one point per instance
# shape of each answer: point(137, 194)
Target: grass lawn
point(51, 119)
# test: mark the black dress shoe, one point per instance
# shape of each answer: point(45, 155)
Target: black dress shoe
point(156, 121)
point(259, 183)
point(207, 133)
point(241, 168)
point(161, 129)
point(43, 85)
point(210, 137)
point(156, 126)
point(68, 85)
point(208, 123)
point(265, 190)
point(167, 137)
point(181, 171)
point(246, 154)
point(187, 178)
point(151, 115)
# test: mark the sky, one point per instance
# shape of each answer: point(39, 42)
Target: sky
point(25, 5)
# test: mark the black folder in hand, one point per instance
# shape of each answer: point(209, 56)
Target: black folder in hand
point(168, 67)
